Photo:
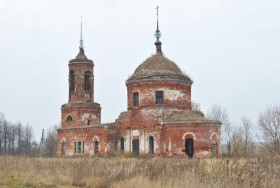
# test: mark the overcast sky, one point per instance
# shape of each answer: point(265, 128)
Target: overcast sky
point(230, 48)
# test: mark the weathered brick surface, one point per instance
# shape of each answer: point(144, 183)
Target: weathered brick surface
point(176, 94)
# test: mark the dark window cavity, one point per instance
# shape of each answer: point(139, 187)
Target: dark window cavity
point(122, 144)
point(63, 148)
point(69, 118)
point(136, 99)
point(96, 147)
point(151, 144)
point(159, 97)
point(87, 80)
point(89, 122)
point(71, 81)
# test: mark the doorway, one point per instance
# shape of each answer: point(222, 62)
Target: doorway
point(151, 144)
point(189, 147)
point(135, 146)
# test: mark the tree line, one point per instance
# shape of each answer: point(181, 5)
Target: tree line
point(19, 139)
point(246, 140)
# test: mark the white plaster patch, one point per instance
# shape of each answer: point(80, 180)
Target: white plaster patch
point(85, 116)
point(135, 133)
point(173, 94)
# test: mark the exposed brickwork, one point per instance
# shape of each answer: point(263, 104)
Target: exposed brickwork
point(167, 128)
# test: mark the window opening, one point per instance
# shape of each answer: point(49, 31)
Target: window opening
point(79, 147)
point(214, 149)
point(89, 122)
point(159, 97)
point(151, 144)
point(69, 118)
point(71, 81)
point(136, 99)
point(96, 147)
point(87, 80)
point(122, 144)
point(63, 148)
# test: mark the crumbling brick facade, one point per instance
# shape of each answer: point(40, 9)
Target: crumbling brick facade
point(159, 119)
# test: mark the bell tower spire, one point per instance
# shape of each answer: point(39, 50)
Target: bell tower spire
point(157, 36)
point(81, 38)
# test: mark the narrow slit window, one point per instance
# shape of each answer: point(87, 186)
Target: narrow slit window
point(71, 81)
point(122, 144)
point(63, 148)
point(87, 80)
point(159, 97)
point(136, 99)
point(96, 147)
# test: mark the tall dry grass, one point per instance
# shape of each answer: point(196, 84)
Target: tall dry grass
point(138, 172)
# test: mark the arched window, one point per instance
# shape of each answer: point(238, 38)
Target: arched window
point(87, 80)
point(89, 122)
point(122, 144)
point(96, 147)
point(151, 144)
point(69, 118)
point(71, 81)
point(63, 148)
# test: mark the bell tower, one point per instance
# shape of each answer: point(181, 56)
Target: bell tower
point(81, 110)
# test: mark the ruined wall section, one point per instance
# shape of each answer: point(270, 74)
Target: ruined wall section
point(176, 94)
point(88, 135)
point(140, 124)
point(81, 115)
point(204, 135)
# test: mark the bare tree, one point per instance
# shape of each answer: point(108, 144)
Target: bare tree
point(16, 139)
point(2, 120)
point(236, 141)
point(269, 124)
point(246, 128)
point(49, 143)
point(28, 138)
point(220, 114)
point(196, 106)
point(19, 129)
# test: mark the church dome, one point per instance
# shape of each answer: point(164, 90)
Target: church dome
point(158, 67)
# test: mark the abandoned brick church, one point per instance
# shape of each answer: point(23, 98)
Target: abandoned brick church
point(159, 119)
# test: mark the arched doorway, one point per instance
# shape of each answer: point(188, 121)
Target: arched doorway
point(189, 145)
point(151, 144)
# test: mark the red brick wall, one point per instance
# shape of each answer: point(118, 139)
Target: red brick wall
point(88, 135)
point(80, 116)
point(204, 135)
point(176, 94)
point(80, 95)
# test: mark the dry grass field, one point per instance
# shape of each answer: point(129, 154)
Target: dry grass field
point(119, 172)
